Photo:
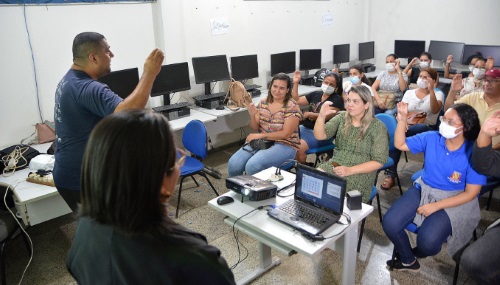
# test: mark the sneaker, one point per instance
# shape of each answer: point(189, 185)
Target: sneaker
point(398, 266)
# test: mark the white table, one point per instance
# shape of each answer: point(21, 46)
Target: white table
point(271, 233)
point(35, 203)
point(181, 123)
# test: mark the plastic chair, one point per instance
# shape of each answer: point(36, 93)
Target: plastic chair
point(414, 229)
point(390, 123)
point(194, 140)
point(370, 201)
point(320, 150)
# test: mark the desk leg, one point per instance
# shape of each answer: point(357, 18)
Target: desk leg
point(349, 239)
point(266, 262)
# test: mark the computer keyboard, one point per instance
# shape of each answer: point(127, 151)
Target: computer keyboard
point(166, 108)
point(210, 96)
point(252, 86)
point(312, 217)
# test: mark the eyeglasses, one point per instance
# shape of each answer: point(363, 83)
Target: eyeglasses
point(490, 81)
point(179, 159)
point(449, 122)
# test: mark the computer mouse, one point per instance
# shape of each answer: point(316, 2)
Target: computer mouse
point(223, 200)
point(220, 107)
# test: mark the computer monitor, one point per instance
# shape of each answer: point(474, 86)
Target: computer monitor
point(341, 53)
point(283, 62)
point(172, 78)
point(210, 69)
point(122, 82)
point(408, 49)
point(440, 50)
point(244, 67)
point(310, 59)
point(366, 50)
point(483, 51)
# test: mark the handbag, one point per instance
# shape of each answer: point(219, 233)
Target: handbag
point(261, 144)
point(46, 132)
point(237, 96)
point(389, 99)
point(415, 117)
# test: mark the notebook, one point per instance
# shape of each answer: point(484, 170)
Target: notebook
point(318, 201)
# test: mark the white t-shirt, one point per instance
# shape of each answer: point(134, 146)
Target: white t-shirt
point(422, 105)
point(348, 84)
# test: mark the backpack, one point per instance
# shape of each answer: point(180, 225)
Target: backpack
point(237, 96)
point(319, 76)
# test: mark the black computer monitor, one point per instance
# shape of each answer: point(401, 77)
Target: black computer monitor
point(341, 53)
point(122, 82)
point(440, 50)
point(172, 78)
point(283, 62)
point(210, 69)
point(310, 59)
point(408, 49)
point(483, 51)
point(366, 50)
point(244, 67)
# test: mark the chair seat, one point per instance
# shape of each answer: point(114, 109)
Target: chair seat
point(191, 165)
point(321, 149)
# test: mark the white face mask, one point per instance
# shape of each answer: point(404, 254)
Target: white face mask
point(421, 83)
point(390, 66)
point(327, 89)
point(447, 131)
point(478, 73)
point(424, 64)
point(471, 67)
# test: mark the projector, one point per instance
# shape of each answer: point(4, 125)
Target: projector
point(254, 188)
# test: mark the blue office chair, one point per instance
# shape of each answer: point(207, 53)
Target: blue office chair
point(320, 150)
point(194, 140)
point(390, 123)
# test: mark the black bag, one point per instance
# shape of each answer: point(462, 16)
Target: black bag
point(261, 144)
point(20, 154)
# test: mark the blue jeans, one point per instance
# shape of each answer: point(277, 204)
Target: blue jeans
point(258, 160)
point(433, 232)
point(308, 136)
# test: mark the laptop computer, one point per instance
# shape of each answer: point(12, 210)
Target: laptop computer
point(318, 201)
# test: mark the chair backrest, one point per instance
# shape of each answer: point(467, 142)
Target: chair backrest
point(390, 123)
point(194, 138)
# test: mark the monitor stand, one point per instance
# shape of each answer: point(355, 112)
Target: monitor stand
point(166, 98)
point(207, 88)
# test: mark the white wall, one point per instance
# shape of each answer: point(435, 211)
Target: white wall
point(472, 22)
point(182, 29)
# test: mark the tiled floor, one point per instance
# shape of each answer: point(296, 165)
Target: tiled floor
point(52, 239)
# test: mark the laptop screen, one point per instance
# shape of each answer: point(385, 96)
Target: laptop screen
point(320, 189)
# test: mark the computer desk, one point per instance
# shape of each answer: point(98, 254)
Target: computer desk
point(271, 233)
point(179, 124)
point(35, 203)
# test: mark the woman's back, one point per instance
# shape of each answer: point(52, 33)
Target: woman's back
point(101, 254)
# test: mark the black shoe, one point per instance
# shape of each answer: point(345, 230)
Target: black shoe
point(398, 266)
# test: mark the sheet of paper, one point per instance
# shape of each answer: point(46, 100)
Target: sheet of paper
point(219, 26)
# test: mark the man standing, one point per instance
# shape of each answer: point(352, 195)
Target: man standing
point(81, 102)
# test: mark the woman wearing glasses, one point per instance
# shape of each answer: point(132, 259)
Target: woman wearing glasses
point(424, 99)
point(331, 90)
point(443, 201)
point(361, 140)
point(124, 234)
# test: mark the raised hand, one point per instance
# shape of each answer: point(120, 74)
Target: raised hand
point(252, 110)
point(449, 59)
point(326, 109)
point(402, 112)
point(491, 126)
point(296, 76)
point(154, 61)
point(397, 66)
point(413, 61)
point(456, 83)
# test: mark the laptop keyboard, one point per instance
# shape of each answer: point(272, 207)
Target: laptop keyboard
point(312, 217)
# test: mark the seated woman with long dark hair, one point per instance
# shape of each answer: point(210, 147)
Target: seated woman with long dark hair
point(443, 201)
point(124, 234)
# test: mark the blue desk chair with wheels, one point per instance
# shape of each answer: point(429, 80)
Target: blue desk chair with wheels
point(194, 140)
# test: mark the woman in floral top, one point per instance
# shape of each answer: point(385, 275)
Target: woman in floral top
point(276, 118)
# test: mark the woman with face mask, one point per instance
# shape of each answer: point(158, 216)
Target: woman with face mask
point(444, 199)
point(357, 78)
point(423, 99)
point(330, 91)
point(414, 67)
point(488, 64)
point(473, 83)
point(391, 80)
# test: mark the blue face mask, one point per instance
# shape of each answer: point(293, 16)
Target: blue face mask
point(354, 80)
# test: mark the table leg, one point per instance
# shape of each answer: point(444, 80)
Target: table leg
point(266, 262)
point(350, 239)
